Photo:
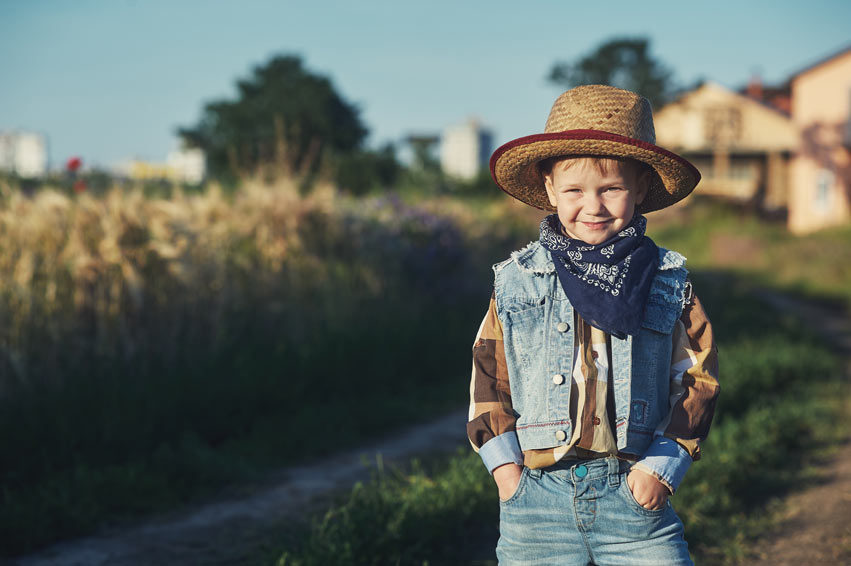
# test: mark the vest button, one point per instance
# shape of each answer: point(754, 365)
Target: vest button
point(558, 379)
point(562, 327)
point(561, 435)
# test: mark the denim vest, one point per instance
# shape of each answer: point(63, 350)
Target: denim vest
point(537, 320)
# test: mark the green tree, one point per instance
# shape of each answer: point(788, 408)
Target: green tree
point(285, 119)
point(361, 171)
point(623, 62)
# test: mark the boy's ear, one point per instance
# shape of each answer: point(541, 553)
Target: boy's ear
point(551, 192)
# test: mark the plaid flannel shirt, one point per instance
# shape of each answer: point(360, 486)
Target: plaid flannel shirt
point(694, 389)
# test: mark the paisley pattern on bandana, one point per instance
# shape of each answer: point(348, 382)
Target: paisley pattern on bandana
point(607, 283)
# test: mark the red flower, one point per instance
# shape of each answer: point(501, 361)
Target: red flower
point(79, 186)
point(73, 164)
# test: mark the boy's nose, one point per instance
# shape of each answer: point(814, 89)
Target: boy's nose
point(594, 205)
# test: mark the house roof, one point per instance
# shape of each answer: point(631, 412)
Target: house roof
point(821, 62)
point(687, 124)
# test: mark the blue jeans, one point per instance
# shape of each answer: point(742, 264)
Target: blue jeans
point(584, 513)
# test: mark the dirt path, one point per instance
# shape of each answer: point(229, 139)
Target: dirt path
point(816, 522)
point(230, 532)
point(815, 526)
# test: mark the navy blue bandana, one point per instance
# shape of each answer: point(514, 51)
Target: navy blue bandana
point(607, 283)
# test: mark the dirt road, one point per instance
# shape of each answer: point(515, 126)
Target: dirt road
point(816, 522)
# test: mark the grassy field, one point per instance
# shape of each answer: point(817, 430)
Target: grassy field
point(156, 347)
point(725, 237)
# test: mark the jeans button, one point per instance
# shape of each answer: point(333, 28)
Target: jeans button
point(581, 471)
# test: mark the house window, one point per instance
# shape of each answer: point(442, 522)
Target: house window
point(723, 125)
point(824, 183)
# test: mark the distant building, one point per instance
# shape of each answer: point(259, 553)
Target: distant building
point(187, 165)
point(742, 147)
point(23, 153)
point(821, 168)
point(181, 166)
point(465, 149)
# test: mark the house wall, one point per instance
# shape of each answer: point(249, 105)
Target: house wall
point(821, 170)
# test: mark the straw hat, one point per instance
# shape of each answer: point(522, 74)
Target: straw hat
point(594, 120)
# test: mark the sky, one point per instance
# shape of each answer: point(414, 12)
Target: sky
point(112, 80)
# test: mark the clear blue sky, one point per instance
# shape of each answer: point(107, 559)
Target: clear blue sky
point(112, 79)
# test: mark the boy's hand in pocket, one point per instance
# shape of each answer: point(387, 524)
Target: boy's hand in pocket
point(507, 478)
point(649, 492)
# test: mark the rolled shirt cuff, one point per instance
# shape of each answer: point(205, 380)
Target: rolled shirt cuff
point(500, 450)
point(667, 460)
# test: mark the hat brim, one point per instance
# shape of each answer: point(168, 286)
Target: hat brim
point(514, 165)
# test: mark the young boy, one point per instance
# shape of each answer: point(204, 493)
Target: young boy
point(595, 369)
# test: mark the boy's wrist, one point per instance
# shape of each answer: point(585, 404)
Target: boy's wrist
point(640, 468)
point(666, 460)
point(507, 470)
point(500, 450)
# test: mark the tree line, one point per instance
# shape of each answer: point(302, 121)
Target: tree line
point(287, 120)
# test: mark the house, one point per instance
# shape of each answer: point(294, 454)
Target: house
point(741, 146)
point(821, 167)
point(787, 147)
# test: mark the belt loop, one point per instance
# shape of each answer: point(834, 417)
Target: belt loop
point(614, 472)
point(535, 472)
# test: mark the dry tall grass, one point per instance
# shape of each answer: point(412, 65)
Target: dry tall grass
point(126, 281)
point(155, 348)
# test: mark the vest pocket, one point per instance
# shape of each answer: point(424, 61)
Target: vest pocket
point(524, 330)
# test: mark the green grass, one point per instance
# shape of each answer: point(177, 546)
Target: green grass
point(110, 449)
point(424, 515)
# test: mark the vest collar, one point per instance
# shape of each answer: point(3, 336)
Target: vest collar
point(534, 259)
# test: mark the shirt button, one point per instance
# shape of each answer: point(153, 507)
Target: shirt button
point(561, 435)
point(596, 420)
point(562, 327)
point(558, 379)
point(595, 354)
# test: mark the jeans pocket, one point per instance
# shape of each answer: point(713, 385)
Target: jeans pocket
point(635, 505)
point(524, 474)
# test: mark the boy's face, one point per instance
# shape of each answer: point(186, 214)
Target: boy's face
point(594, 203)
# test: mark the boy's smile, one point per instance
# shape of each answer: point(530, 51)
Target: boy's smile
point(594, 202)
